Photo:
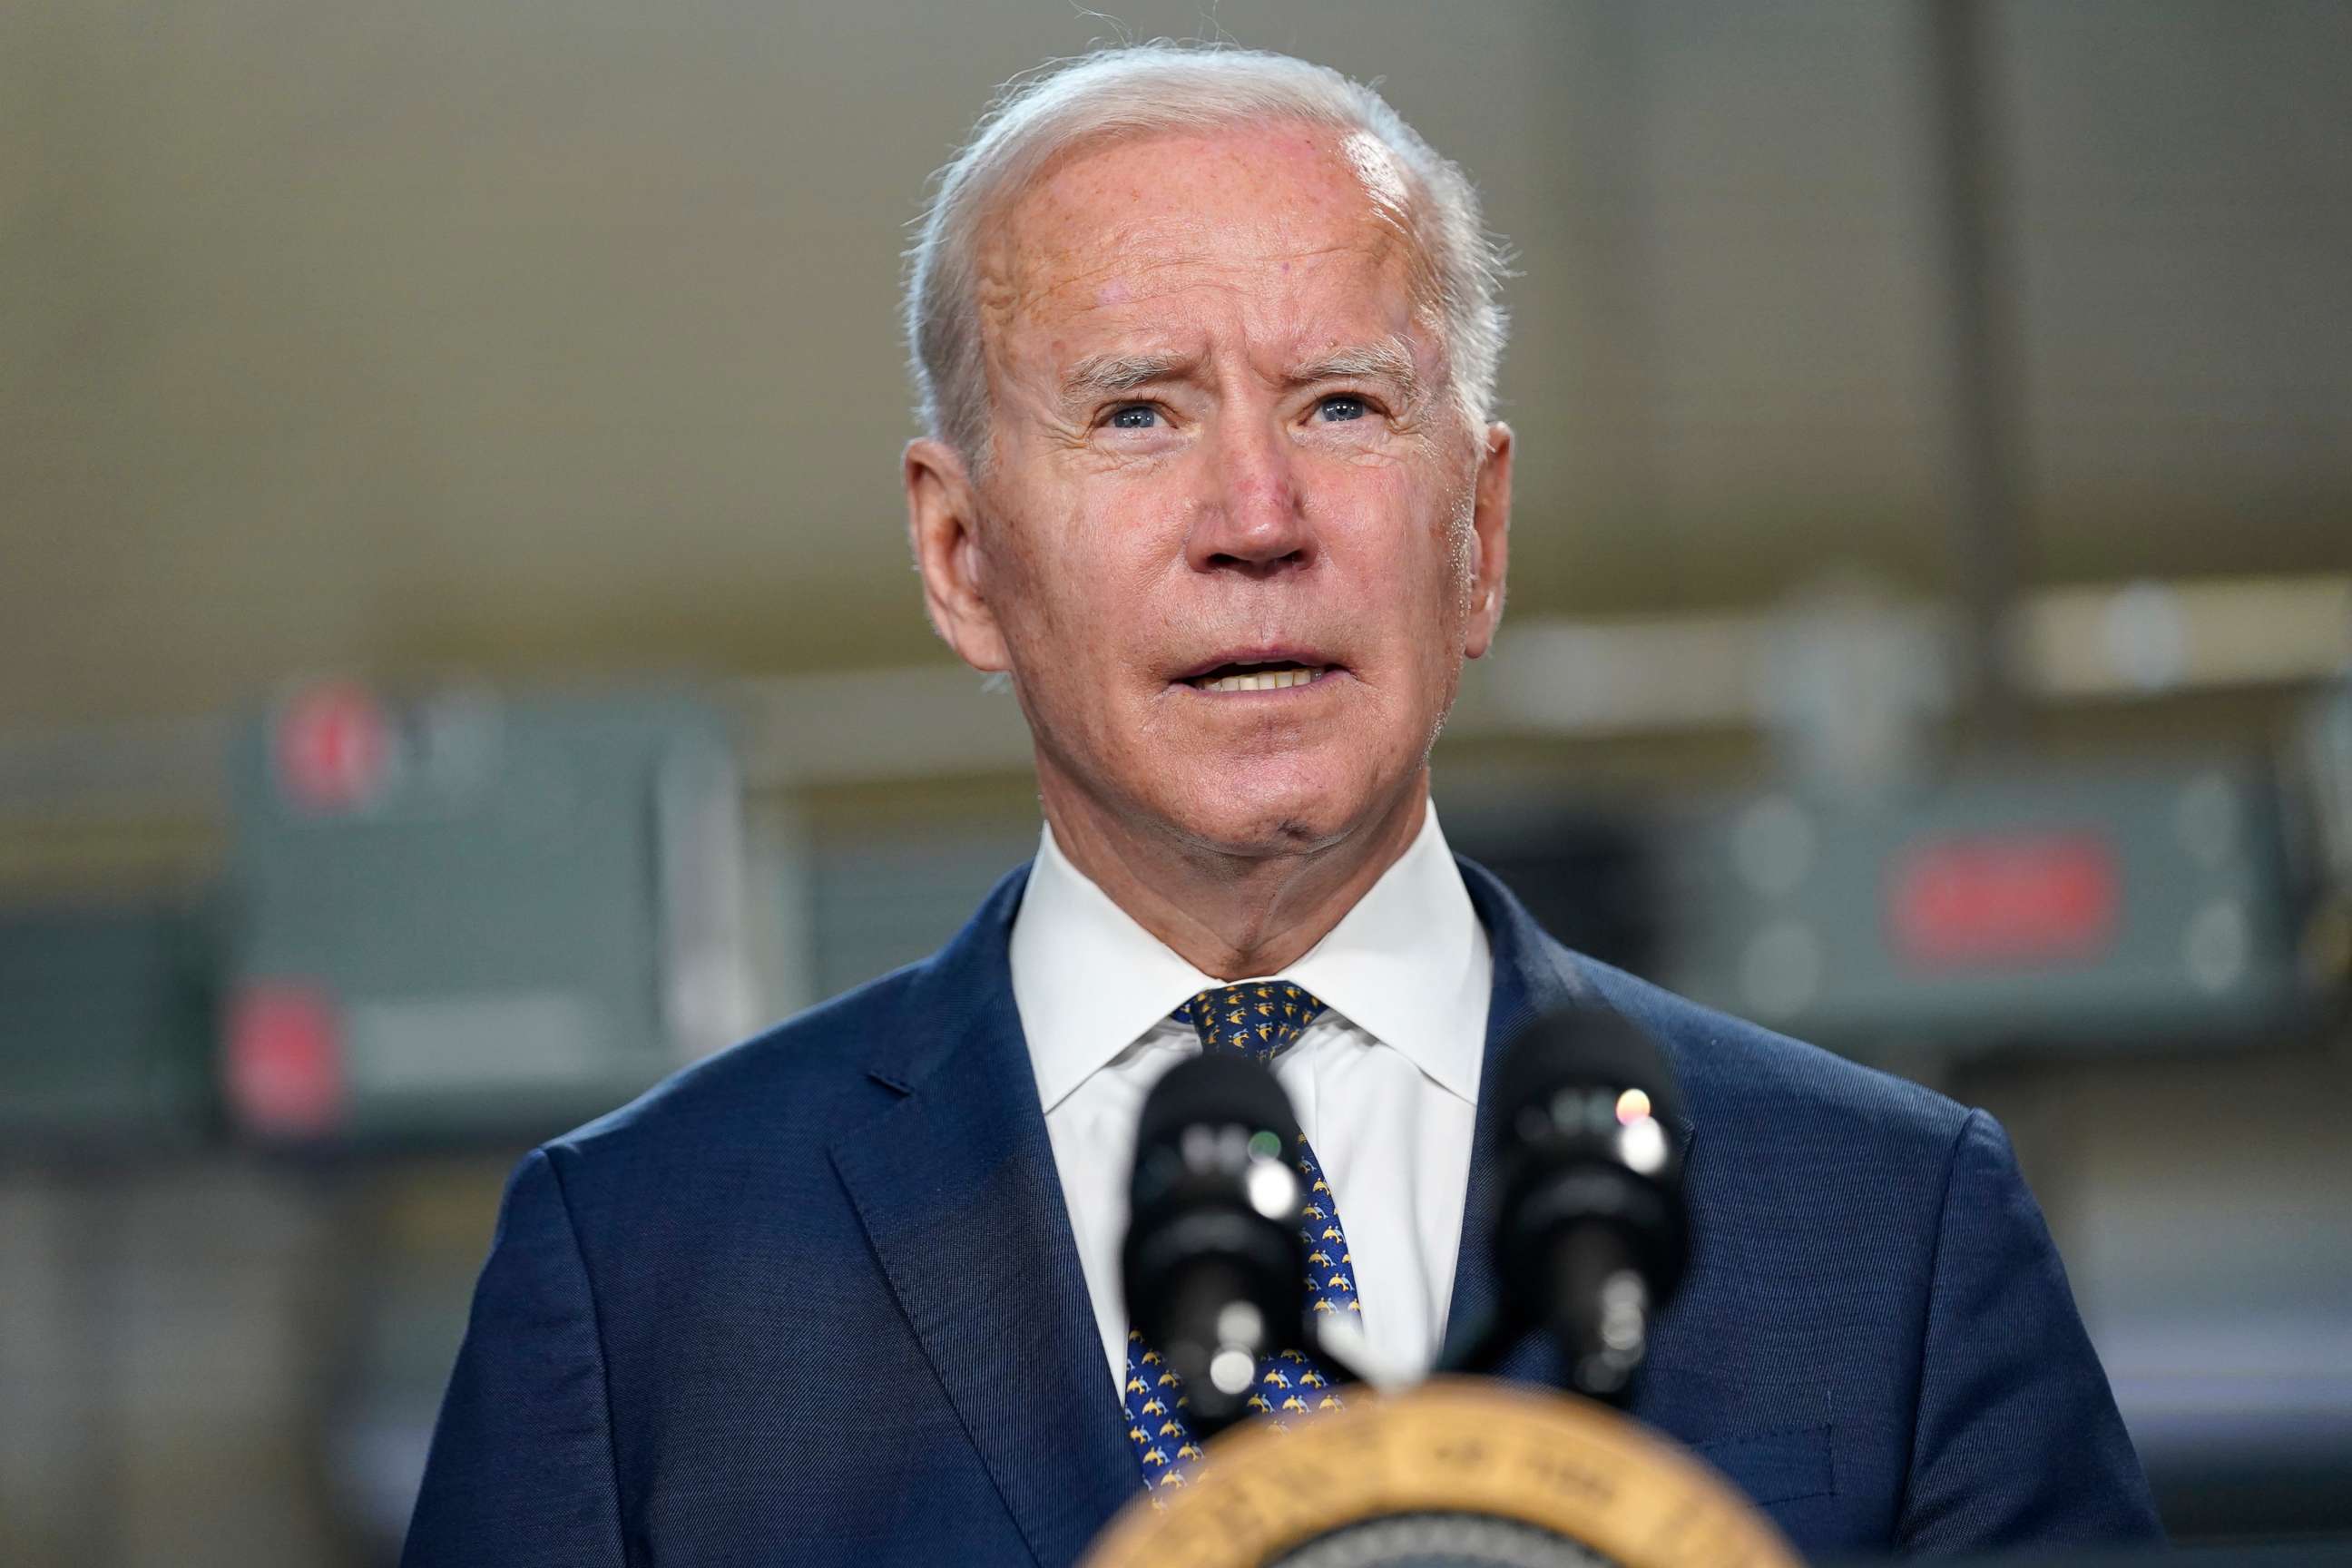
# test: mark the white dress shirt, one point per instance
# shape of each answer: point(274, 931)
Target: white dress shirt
point(1385, 1082)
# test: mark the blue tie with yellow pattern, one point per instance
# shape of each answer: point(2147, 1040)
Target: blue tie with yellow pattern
point(1255, 1020)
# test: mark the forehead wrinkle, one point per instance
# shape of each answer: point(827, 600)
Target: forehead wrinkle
point(1031, 234)
point(1141, 286)
point(1082, 306)
point(1171, 274)
point(1046, 257)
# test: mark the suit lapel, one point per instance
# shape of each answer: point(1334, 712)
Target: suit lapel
point(958, 1192)
point(1533, 974)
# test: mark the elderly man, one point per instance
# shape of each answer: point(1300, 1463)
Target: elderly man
point(1207, 344)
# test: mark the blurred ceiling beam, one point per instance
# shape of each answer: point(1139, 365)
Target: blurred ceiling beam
point(1982, 444)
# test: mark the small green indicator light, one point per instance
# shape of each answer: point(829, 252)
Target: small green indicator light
point(1267, 1145)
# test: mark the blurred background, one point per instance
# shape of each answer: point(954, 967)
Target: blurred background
point(461, 659)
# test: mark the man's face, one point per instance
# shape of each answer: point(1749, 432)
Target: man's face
point(1234, 538)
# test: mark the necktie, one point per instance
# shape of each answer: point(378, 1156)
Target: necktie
point(1256, 1020)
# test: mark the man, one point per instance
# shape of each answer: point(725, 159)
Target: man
point(1207, 343)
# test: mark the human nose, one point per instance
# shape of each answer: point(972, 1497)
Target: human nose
point(1250, 515)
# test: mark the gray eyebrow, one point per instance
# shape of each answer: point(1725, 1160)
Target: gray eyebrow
point(1113, 375)
point(1108, 375)
point(1369, 362)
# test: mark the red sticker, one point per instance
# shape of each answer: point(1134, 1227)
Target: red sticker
point(284, 1066)
point(2027, 899)
point(333, 749)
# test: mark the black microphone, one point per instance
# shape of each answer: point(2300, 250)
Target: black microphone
point(1213, 1266)
point(1592, 1239)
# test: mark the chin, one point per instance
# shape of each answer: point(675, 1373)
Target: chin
point(1298, 818)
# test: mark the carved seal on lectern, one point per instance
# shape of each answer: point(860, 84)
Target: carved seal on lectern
point(1457, 1473)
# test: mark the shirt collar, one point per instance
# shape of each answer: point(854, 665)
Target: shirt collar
point(1409, 965)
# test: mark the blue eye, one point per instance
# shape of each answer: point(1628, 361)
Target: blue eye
point(1135, 416)
point(1339, 407)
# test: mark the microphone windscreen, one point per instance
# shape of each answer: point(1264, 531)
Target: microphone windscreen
point(1584, 1047)
point(1221, 1090)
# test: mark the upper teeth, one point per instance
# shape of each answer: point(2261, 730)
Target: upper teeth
point(1261, 679)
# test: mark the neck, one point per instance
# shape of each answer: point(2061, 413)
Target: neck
point(1230, 915)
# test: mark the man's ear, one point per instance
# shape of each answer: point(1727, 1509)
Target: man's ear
point(942, 517)
point(1490, 528)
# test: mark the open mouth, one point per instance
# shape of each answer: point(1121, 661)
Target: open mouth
point(1257, 677)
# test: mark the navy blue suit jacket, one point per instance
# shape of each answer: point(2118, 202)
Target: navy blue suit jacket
point(815, 1301)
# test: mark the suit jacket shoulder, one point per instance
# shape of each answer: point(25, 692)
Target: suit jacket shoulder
point(1744, 1069)
point(788, 1088)
point(1875, 1337)
point(812, 1299)
point(789, 1092)
point(1796, 1137)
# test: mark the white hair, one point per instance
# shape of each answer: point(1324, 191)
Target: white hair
point(1142, 89)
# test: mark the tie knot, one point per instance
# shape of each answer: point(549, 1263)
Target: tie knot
point(1255, 1020)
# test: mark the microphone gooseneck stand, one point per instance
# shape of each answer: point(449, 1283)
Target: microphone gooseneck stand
point(1590, 1237)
